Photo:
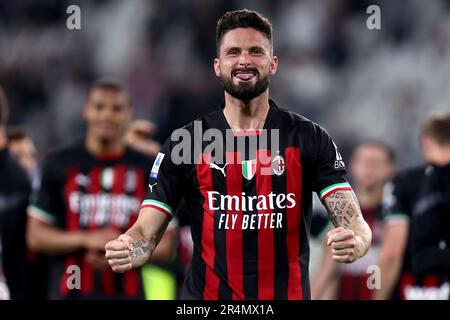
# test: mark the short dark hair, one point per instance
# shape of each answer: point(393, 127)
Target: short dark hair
point(111, 83)
point(4, 110)
point(17, 133)
point(380, 145)
point(437, 127)
point(108, 83)
point(242, 19)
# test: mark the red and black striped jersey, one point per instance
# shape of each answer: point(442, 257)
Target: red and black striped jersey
point(250, 207)
point(83, 192)
point(400, 198)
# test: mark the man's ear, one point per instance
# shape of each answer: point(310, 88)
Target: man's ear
point(274, 65)
point(217, 67)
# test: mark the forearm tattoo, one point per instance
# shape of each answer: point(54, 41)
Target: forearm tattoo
point(342, 207)
point(141, 248)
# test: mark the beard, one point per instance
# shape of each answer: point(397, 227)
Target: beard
point(245, 90)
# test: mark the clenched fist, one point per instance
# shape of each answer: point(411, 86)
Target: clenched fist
point(345, 246)
point(118, 253)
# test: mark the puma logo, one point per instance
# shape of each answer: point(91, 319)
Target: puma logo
point(152, 185)
point(215, 166)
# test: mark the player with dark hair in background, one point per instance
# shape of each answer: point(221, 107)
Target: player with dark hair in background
point(90, 193)
point(431, 216)
point(402, 277)
point(250, 210)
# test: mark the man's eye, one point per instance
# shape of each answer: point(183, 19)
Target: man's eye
point(257, 51)
point(117, 108)
point(233, 52)
point(99, 106)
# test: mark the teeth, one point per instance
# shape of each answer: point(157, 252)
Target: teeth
point(244, 72)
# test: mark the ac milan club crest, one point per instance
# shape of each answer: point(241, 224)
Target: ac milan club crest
point(278, 165)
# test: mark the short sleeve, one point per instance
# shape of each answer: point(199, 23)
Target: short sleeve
point(328, 168)
point(167, 183)
point(395, 205)
point(320, 221)
point(47, 202)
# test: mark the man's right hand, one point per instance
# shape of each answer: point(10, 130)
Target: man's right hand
point(118, 253)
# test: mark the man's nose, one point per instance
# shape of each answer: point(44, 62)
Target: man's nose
point(244, 59)
point(106, 113)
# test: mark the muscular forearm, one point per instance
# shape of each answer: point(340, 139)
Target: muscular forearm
point(49, 239)
point(344, 211)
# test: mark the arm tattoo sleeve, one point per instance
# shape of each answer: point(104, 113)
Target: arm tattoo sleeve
point(141, 248)
point(342, 207)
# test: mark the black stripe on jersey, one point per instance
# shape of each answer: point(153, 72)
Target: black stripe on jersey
point(220, 242)
point(195, 279)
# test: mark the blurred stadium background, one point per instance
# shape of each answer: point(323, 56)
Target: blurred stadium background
point(358, 83)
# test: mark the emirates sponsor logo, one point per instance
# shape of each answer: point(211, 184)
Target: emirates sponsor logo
point(272, 201)
point(427, 293)
point(257, 211)
point(103, 208)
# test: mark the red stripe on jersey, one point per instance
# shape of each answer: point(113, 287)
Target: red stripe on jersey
point(266, 254)
point(431, 281)
point(235, 267)
point(294, 185)
point(119, 172)
point(204, 177)
point(131, 281)
point(87, 272)
point(95, 187)
point(72, 224)
point(118, 188)
point(63, 285)
point(71, 186)
point(406, 280)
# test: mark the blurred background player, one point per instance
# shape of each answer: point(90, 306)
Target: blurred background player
point(23, 149)
point(431, 216)
point(400, 277)
point(372, 165)
point(14, 194)
point(91, 192)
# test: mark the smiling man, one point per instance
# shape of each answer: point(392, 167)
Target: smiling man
point(91, 193)
point(251, 209)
